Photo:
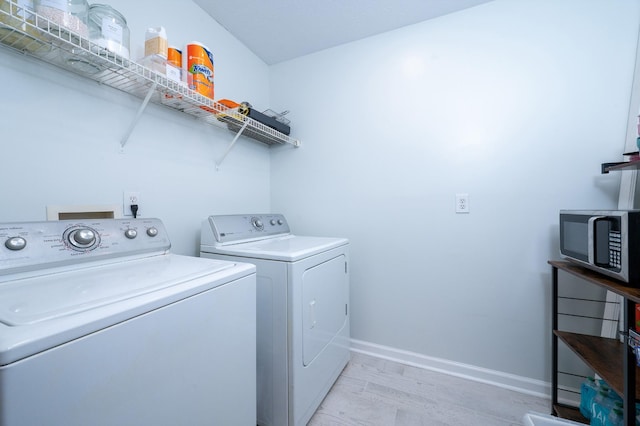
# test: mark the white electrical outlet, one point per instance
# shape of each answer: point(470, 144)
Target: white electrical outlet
point(462, 203)
point(128, 198)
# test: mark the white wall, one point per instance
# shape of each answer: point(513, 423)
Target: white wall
point(514, 103)
point(61, 133)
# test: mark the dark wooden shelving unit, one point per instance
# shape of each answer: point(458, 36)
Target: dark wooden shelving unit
point(609, 358)
point(602, 355)
point(623, 289)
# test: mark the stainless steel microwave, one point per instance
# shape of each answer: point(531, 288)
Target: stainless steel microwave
point(606, 241)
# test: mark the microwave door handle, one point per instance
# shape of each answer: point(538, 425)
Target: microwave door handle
point(591, 246)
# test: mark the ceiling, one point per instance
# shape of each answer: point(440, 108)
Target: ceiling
point(279, 30)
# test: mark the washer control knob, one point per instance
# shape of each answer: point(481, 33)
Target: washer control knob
point(280, 222)
point(15, 243)
point(257, 223)
point(273, 222)
point(130, 233)
point(83, 237)
point(152, 232)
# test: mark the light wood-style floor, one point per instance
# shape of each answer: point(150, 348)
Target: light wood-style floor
point(373, 391)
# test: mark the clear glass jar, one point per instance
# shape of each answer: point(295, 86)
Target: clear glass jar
point(72, 15)
point(18, 15)
point(16, 12)
point(108, 29)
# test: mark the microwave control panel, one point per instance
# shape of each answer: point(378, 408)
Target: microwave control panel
point(615, 249)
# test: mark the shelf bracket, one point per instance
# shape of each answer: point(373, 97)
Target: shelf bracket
point(604, 167)
point(133, 124)
point(233, 142)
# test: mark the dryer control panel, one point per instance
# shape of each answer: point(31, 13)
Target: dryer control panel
point(242, 227)
point(31, 246)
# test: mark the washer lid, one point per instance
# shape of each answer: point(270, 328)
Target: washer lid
point(44, 312)
point(38, 299)
point(289, 248)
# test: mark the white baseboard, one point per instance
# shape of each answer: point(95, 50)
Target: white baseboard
point(470, 372)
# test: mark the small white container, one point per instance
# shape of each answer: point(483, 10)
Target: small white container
point(156, 42)
point(537, 419)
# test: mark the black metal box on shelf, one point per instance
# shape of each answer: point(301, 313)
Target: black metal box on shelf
point(263, 137)
point(265, 119)
point(269, 121)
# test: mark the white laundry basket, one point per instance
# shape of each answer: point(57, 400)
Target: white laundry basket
point(538, 419)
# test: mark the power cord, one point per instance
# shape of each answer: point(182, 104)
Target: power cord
point(134, 210)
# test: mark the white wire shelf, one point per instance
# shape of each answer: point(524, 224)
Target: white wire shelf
point(37, 36)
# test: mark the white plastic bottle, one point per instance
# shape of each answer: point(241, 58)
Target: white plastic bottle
point(616, 417)
point(602, 405)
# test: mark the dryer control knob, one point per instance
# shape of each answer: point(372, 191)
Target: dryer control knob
point(15, 243)
point(131, 233)
point(273, 222)
point(152, 232)
point(257, 223)
point(83, 237)
point(280, 222)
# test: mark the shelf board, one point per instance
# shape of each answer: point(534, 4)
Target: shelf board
point(619, 287)
point(47, 41)
point(625, 165)
point(569, 413)
point(602, 355)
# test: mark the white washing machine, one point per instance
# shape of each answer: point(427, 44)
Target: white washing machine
point(302, 309)
point(101, 325)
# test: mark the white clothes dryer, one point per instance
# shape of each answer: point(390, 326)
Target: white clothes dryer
point(101, 325)
point(302, 310)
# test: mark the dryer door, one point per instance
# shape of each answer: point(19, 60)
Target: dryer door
point(325, 294)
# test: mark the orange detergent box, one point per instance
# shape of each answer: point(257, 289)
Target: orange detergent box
point(174, 56)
